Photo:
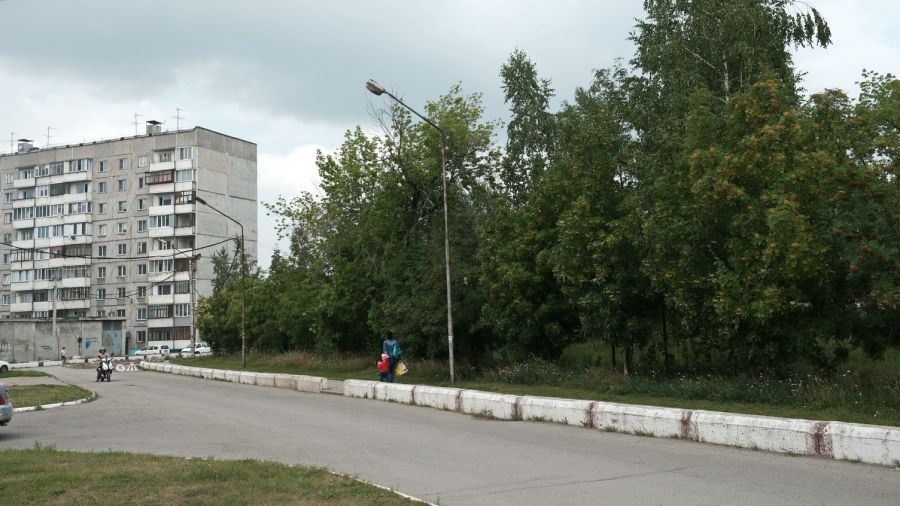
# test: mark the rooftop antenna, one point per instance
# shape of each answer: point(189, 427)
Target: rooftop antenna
point(48, 135)
point(136, 122)
point(178, 118)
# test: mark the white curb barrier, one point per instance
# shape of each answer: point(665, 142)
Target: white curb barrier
point(438, 397)
point(872, 444)
point(360, 388)
point(206, 373)
point(549, 409)
point(310, 384)
point(505, 407)
point(395, 392)
point(233, 376)
point(634, 419)
point(167, 368)
point(219, 374)
point(288, 381)
point(761, 432)
point(265, 379)
point(247, 378)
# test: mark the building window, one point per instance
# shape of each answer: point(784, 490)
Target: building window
point(5, 299)
point(141, 292)
point(123, 185)
point(122, 249)
point(141, 183)
point(142, 225)
point(120, 292)
point(121, 271)
point(123, 163)
point(185, 153)
point(101, 208)
point(182, 287)
point(163, 220)
point(104, 166)
point(182, 310)
point(164, 290)
point(101, 272)
point(164, 200)
point(102, 229)
point(184, 175)
point(165, 156)
point(9, 177)
point(142, 161)
point(142, 334)
point(142, 204)
point(142, 247)
point(163, 176)
point(102, 187)
point(120, 313)
point(123, 206)
point(101, 294)
point(142, 314)
point(8, 197)
point(142, 269)
point(121, 228)
point(101, 251)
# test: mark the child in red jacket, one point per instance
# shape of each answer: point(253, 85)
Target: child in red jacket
point(384, 367)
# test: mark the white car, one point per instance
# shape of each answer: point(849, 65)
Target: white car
point(6, 407)
point(153, 350)
point(4, 366)
point(199, 349)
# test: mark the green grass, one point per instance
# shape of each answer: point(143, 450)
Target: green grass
point(865, 392)
point(46, 476)
point(37, 395)
point(21, 373)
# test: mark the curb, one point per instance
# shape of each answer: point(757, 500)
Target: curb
point(53, 405)
point(870, 444)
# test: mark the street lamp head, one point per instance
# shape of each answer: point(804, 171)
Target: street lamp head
point(374, 87)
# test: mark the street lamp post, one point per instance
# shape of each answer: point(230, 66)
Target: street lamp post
point(377, 89)
point(243, 280)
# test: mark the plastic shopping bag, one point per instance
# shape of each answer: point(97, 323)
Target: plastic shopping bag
point(401, 369)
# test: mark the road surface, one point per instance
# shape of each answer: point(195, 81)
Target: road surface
point(439, 456)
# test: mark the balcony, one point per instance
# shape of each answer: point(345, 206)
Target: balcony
point(23, 203)
point(155, 323)
point(162, 232)
point(21, 307)
point(162, 210)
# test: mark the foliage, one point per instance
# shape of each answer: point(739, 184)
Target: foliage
point(693, 211)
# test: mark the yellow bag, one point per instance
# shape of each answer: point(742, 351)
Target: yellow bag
point(401, 369)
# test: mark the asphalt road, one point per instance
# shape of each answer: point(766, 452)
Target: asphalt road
point(435, 455)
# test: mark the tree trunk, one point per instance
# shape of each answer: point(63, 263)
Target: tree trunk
point(667, 359)
point(612, 347)
point(628, 360)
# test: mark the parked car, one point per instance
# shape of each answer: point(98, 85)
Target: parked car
point(199, 348)
point(153, 350)
point(6, 407)
point(4, 366)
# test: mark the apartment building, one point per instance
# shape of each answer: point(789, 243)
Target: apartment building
point(110, 229)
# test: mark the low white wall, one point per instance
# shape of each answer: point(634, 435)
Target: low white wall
point(247, 378)
point(473, 402)
point(394, 392)
point(438, 397)
point(265, 379)
point(310, 384)
point(360, 388)
point(549, 409)
point(867, 443)
point(288, 381)
point(220, 374)
point(660, 422)
point(233, 376)
point(760, 432)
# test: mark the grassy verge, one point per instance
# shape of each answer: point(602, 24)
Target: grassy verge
point(859, 398)
point(37, 395)
point(20, 373)
point(47, 476)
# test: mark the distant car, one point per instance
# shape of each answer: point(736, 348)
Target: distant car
point(6, 407)
point(153, 350)
point(199, 349)
point(4, 366)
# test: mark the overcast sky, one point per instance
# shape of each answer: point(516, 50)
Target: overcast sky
point(290, 76)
